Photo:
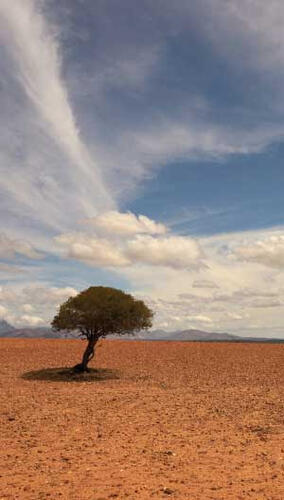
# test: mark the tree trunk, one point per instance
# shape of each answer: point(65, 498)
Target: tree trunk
point(87, 356)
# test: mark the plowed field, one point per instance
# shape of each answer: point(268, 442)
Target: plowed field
point(156, 420)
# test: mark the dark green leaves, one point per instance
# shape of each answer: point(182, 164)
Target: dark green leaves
point(100, 311)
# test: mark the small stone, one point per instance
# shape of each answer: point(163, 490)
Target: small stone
point(168, 491)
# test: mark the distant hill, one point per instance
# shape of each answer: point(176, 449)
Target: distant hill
point(201, 336)
point(31, 333)
point(198, 335)
point(5, 327)
point(7, 330)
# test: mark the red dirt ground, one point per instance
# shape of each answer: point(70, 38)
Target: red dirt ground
point(172, 420)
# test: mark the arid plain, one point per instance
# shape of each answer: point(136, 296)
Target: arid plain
point(157, 420)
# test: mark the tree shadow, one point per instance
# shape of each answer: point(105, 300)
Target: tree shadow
point(64, 374)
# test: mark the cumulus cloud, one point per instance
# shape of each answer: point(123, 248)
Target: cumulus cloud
point(41, 106)
point(35, 294)
point(10, 248)
point(29, 320)
point(51, 177)
point(174, 251)
point(268, 251)
point(95, 251)
point(48, 295)
point(136, 147)
point(37, 302)
point(246, 295)
point(117, 223)
point(138, 240)
point(177, 252)
point(236, 313)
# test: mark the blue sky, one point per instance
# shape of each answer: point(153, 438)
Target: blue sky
point(238, 194)
point(141, 147)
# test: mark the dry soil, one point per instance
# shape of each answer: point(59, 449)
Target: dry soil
point(156, 420)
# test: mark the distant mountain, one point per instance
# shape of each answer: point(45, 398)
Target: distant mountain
point(5, 327)
point(193, 336)
point(31, 333)
point(7, 330)
point(201, 336)
point(151, 335)
point(198, 335)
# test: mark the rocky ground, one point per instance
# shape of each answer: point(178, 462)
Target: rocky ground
point(157, 420)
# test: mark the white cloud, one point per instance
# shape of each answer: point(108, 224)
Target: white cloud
point(136, 148)
point(3, 312)
point(171, 139)
point(62, 293)
point(50, 180)
point(253, 25)
point(95, 251)
point(45, 164)
point(265, 302)
point(136, 154)
point(27, 308)
point(268, 251)
point(38, 302)
point(242, 34)
point(235, 316)
point(129, 149)
point(34, 293)
point(37, 55)
point(117, 223)
point(199, 318)
point(42, 137)
point(247, 294)
point(9, 248)
point(236, 313)
point(204, 284)
point(29, 320)
point(177, 252)
point(250, 298)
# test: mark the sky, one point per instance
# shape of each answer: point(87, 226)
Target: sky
point(141, 147)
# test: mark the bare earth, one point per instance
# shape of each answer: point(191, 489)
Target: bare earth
point(157, 420)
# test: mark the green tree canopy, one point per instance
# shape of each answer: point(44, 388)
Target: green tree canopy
point(100, 311)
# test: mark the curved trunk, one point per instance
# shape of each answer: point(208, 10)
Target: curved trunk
point(87, 356)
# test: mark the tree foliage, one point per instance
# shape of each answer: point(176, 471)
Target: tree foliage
point(100, 311)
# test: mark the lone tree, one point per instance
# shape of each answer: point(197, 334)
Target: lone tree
point(100, 311)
